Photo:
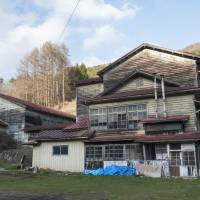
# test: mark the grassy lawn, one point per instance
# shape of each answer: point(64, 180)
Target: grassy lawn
point(89, 187)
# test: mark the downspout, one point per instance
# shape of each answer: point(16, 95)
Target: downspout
point(156, 94)
point(163, 95)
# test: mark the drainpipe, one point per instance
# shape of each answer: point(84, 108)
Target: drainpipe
point(156, 94)
point(163, 95)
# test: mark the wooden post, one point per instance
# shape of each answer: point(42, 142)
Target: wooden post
point(144, 152)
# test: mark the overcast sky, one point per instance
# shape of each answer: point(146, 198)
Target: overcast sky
point(99, 32)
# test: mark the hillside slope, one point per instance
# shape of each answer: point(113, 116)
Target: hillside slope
point(193, 48)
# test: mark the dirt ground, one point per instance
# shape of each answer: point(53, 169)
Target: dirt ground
point(28, 196)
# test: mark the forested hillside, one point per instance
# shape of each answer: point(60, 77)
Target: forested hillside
point(45, 76)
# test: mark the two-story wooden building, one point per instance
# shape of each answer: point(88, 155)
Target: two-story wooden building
point(142, 110)
point(19, 114)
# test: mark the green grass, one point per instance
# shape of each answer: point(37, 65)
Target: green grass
point(7, 166)
point(91, 187)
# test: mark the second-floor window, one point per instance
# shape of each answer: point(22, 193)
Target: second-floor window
point(122, 117)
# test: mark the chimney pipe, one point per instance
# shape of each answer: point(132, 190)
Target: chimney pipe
point(163, 95)
point(156, 94)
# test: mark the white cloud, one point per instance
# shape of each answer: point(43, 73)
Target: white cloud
point(24, 30)
point(92, 61)
point(90, 9)
point(101, 36)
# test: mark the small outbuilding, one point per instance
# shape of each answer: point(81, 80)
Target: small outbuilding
point(59, 148)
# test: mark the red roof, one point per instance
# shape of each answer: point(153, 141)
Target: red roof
point(2, 123)
point(89, 81)
point(38, 108)
point(140, 93)
point(174, 118)
point(59, 135)
point(133, 136)
point(81, 124)
point(170, 137)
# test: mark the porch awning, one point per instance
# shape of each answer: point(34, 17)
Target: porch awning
point(174, 118)
point(191, 136)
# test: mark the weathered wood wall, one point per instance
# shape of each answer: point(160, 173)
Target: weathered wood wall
point(132, 85)
point(178, 69)
point(179, 105)
point(83, 93)
point(14, 115)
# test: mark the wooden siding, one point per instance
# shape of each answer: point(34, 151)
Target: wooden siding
point(132, 85)
point(35, 118)
point(175, 68)
point(74, 162)
point(83, 93)
point(14, 115)
point(180, 105)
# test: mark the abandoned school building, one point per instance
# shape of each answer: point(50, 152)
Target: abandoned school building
point(18, 114)
point(142, 110)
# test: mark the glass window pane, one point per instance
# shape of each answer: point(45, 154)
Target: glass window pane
point(64, 150)
point(56, 150)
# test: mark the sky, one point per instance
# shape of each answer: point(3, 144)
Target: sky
point(99, 32)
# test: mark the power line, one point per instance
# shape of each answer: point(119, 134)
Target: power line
point(69, 19)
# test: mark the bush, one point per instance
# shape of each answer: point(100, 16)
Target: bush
point(6, 141)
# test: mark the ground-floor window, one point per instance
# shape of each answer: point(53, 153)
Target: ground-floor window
point(175, 158)
point(114, 152)
point(60, 150)
point(188, 158)
point(96, 154)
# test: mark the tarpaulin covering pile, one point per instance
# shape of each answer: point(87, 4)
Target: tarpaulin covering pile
point(112, 170)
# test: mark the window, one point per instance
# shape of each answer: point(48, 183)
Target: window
point(175, 158)
point(94, 153)
point(114, 152)
point(161, 151)
point(188, 158)
point(134, 152)
point(139, 82)
point(98, 118)
point(60, 150)
point(117, 118)
point(135, 114)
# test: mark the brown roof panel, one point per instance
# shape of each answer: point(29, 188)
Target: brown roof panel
point(170, 137)
point(60, 135)
point(140, 93)
point(132, 136)
point(37, 107)
point(81, 124)
point(89, 81)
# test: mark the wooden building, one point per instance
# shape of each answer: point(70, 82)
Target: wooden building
point(142, 111)
point(20, 114)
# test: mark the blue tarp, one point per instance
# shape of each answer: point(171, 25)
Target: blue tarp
point(112, 170)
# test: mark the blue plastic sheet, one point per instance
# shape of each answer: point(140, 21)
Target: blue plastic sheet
point(112, 170)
